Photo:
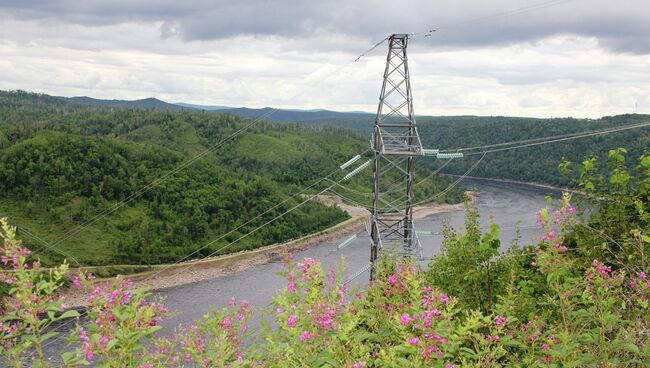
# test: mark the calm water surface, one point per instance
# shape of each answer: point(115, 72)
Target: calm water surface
point(511, 206)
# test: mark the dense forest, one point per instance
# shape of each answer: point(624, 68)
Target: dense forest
point(532, 164)
point(64, 167)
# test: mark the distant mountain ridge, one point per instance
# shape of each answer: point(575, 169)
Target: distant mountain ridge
point(145, 103)
point(202, 107)
point(292, 115)
point(251, 113)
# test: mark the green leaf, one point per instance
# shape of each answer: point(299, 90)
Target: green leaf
point(71, 359)
point(153, 329)
point(645, 161)
point(111, 344)
point(118, 314)
point(632, 348)
point(69, 314)
point(49, 335)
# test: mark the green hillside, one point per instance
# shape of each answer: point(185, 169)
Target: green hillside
point(533, 164)
point(63, 164)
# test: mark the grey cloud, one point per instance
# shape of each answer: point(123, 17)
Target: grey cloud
point(623, 26)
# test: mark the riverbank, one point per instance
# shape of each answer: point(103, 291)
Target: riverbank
point(173, 275)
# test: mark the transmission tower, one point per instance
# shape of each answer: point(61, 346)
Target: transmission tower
point(395, 143)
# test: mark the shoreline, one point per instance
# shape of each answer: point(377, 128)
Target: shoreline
point(185, 273)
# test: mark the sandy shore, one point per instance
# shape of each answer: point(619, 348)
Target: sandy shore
point(166, 276)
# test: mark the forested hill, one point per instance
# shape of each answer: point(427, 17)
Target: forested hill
point(532, 164)
point(62, 164)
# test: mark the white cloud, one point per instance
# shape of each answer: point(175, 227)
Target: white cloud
point(557, 75)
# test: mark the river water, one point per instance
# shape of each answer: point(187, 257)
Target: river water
point(511, 206)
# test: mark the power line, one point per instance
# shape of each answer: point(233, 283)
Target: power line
point(591, 134)
point(190, 265)
point(484, 153)
point(569, 136)
point(46, 243)
point(253, 219)
point(245, 235)
point(159, 180)
point(311, 197)
point(455, 183)
point(144, 189)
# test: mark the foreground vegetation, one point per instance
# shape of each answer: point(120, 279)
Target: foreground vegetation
point(65, 167)
point(578, 298)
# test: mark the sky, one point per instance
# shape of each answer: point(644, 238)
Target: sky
point(542, 58)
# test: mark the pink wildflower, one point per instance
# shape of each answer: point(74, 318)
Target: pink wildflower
point(405, 319)
point(359, 364)
point(444, 299)
point(501, 321)
point(414, 341)
point(291, 322)
point(306, 336)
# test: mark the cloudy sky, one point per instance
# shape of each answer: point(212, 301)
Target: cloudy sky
point(584, 58)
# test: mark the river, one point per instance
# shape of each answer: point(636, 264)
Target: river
point(511, 206)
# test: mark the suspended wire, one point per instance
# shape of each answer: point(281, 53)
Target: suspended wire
point(591, 134)
point(47, 244)
point(350, 200)
point(569, 136)
point(484, 153)
point(454, 184)
point(76, 230)
point(146, 188)
point(190, 265)
point(363, 54)
point(436, 171)
point(327, 177)
point(268, 113)
point(63, 325)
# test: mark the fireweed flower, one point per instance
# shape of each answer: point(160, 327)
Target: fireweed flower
point(291, 321)
point(405, 319)
point(292, 287)
point(501, 321)
point(602, 269)
point(305, 336)
point(414, 341)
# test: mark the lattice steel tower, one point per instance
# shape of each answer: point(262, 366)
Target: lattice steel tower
point(395, 142)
